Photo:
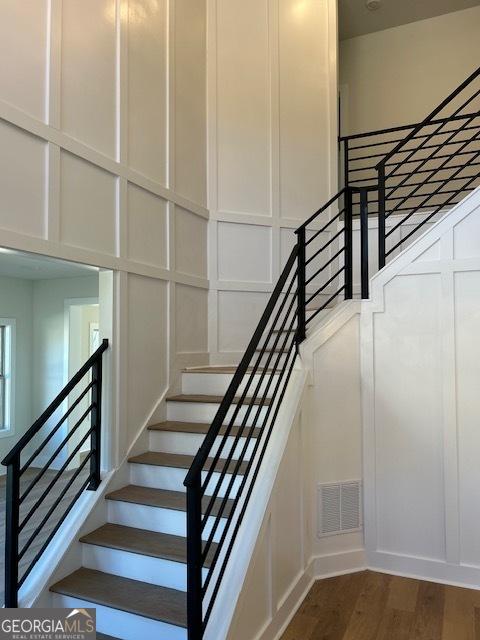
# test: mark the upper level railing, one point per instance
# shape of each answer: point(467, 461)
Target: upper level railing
point(385, 174)
point(432, 169)
point(49, 468)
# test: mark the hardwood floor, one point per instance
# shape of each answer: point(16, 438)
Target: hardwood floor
point(375, 606)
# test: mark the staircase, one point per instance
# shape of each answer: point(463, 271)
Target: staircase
point(134, 566)
point(156, 567)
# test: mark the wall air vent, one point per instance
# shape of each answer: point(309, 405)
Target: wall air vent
point(339, 508)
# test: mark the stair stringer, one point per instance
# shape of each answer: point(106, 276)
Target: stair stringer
point(446, 251)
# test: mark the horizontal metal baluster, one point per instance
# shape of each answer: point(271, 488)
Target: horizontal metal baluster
point(437, 192)
point(54, 455)
point(465, 144)
point(423, 222)
point(392, 173)
point(55, 479)
point(55, 429)
point(325, 285)
point(250, 430)
point(325, 265)
point(322, 230)
point(314, 315)
point(53, 507)
point(247, 497)
point(244, 421)
point(322, 209)
point(50, 537)
point(245, 391)
point(325, 246)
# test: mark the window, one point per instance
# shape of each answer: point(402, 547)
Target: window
point(7, 335)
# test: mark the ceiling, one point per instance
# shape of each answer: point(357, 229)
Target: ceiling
point(356, 20)
point(14, 264)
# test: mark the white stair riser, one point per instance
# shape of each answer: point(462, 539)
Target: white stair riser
point(189, 443)
point(216, 384)
point(205, 412)
point(156, 519)
point(171, 479)
point(120, 624)
point(164, 573)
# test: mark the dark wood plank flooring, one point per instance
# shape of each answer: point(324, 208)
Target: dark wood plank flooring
point(375, 606)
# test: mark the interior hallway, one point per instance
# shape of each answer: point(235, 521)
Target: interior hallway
point(375, 606)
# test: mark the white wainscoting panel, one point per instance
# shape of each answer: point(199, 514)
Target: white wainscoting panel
point(420, 377)
point(87, 205)
point(103, 162)
point(88, 92)
point(147, 211)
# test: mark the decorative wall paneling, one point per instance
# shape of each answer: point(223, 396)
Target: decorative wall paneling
point(103, 161)
point(272, 121)
point(420, 359)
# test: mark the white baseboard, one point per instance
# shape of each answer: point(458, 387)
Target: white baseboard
point(457, 575)
point(318, 568)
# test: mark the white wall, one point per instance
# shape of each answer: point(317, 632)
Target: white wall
point(103, 161)
point(398, 76)
point(48, 316)
point(272, 137)
point(421, 369)
point(16, 302)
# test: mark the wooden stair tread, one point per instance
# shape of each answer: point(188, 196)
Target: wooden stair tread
point(190, 397)
point(198, 427)
point(141, 541)
point(132, 596)
point(163, 498)
point(222, 369)
point(181, 461)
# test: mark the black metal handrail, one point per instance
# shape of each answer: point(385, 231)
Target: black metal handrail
point(16, 530)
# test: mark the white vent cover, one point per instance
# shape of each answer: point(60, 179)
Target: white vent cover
point(339, 508)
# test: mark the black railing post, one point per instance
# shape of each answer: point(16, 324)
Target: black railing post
point(348, 245)
point(194, 559)
point(381, 216)
point(96, 437)
point(301, 293)
point(364, 241)
point(12, 500)
point(346, 162)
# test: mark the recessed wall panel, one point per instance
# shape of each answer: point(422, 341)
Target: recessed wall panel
point(191, 319)
point(238, 315)
point(408, 412)
point(23, 51)
point(23, 159)
point(88, 103)
point(87, 205)
point(147, 88)
point(304, 125)
point(243, 107)
point(190, 100)
point(147, 347)
point(190, 243)
point(147, 227)
point(244, 252)
point(467, 321)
